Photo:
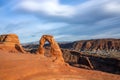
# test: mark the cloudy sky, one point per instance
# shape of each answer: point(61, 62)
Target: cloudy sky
point(66, 20)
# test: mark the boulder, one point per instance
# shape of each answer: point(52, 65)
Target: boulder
point(10, 43)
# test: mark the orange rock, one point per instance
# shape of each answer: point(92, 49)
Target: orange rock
point(54, 50)
point(10, 42)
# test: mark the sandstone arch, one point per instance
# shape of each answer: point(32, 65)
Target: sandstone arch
point(55, 49)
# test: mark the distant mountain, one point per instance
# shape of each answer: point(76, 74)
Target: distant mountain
point(30, 43)
point(37, 43)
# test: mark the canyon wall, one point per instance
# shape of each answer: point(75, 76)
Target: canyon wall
point(94, 45)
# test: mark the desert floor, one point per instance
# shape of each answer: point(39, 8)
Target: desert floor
point(18, 66)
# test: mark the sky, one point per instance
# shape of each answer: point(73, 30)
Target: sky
point(66, 20)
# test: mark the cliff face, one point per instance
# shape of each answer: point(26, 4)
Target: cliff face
point(94, 45)
point(78, 59)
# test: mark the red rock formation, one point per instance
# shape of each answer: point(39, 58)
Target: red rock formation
point(54, 50)
point(10, 42)
point(95, 44)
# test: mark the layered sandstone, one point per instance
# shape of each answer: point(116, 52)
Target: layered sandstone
point(100, 44)
point(10, 43)
point(94, 45)
point(55, 50)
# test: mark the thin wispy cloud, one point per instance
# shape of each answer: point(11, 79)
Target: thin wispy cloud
point(66, 20)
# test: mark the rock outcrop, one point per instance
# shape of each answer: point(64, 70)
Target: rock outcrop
point(100, 44)
point(78, 59)
point(94, 45)
point(10, 42)
point(55, 50)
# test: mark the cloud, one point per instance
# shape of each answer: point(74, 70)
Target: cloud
point(113, 7)
point(47, 7)
point(87, 12)
point(81, 20)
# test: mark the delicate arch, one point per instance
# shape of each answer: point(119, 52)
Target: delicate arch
point(55, 49)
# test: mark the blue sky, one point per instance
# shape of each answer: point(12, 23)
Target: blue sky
point(66, 20)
